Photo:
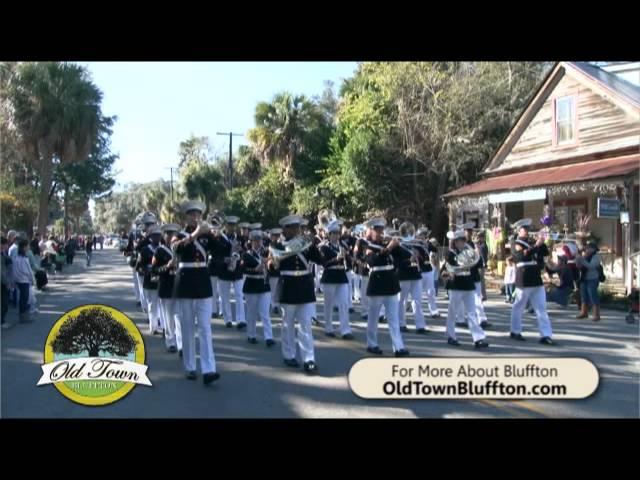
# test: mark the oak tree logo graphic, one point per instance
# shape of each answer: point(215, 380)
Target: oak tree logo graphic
point(93, 330)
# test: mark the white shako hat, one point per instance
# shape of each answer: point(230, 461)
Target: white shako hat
point(170, 227)
point(190, 205)
point(376, 222)
point(455, 235)
point(290, 220)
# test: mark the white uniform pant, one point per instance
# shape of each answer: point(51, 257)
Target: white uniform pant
point(429, 288)
point(537, 297)
point(196, 313)
point(171, 321)
point(336, 294)
point(136, 285)
point(225, 294)
point(351, 279)
point(273, 284)
point(143, 300)
point(364, 299)
point(215, 297)
point(153, 309)
point(258, 308)
point(413, 288)
point(303, 313)
point(390, 303)
point(319, 270)
point(479, 307)
point(459, 299)
point(357, 283)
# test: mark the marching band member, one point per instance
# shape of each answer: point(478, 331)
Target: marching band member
point(274, 274)
point(149, 279)
point(348, 242)
point(318, 239)
point(383, 288)
point(193, 293)
point(529, 261)
point(362, 271)
point(147, 220)
point(256, 288)
point(164, 266)
point(410, 279)
point(229, 249)
point(297, 296)
point(477, 281)
point(461, 293)
point(243, 236)
point(427, 272)
point(214, 269)
point(335, 283)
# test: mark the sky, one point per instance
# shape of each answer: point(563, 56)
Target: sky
point(159, 104)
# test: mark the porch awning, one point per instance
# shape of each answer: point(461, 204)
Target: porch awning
point(579, 172)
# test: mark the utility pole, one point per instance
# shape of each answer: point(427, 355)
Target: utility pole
point(172, 169)
point(231, 135)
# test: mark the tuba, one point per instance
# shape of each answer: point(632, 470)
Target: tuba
point(291, 248)
point(466, 259)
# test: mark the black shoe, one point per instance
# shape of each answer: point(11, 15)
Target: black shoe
point(315, 321)
point(517, 336)
point(364, 317)
point(214, 315)
point(485, 324)
point(270, 342)
point(453, 341)
point(404, 329)
point(437, 315)
point(228, 324)
point(461, 324)
point(402, 353)
point(374, 350)
point(351, 310)
point(310, 367)
point(138, 304)
point(208, 378)
point(172, 349)
point(531, 310)
point(481, 344)
point(241, 326)
point(330, 334)
point(422, 331)
point(507, 300)
point(347, 336)
point(292, 362)
point(547, 341)
point(252, 341)
point(335, 309)
point(180, 353)
point(382, 319)
point(192, 375)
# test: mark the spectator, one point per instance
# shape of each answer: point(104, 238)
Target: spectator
point(12, 237)
point(95, 242)
point(23, 278)
point(560, 294)
point(35, 266)
point(35, 245)
point(483, 249)
point(5, 272)
point(70, 250)
point(88, 251)
point(590, 265)
point(509, 281)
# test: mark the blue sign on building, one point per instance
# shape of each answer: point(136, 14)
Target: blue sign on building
point(608, 208)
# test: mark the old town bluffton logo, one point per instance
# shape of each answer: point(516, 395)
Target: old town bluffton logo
point(94, 355)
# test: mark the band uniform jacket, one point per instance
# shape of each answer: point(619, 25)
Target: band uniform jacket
point(166, 275)
point(334, 270)
point(193, 281)
point(407, 269)
point(458, 282)
point(222, 251)
point(382, 282)
point(251, 260)
point(149, 281)
point(360, 265)
point(424, 258)
point(296, 290)
point(529, 274)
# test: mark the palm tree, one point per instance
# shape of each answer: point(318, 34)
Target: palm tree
point(281, 126)
point(56, 113)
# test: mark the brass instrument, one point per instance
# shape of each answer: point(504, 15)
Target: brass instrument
point(291, 248)
point(466, 259)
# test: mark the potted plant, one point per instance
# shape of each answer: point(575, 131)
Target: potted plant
point(582, 229)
